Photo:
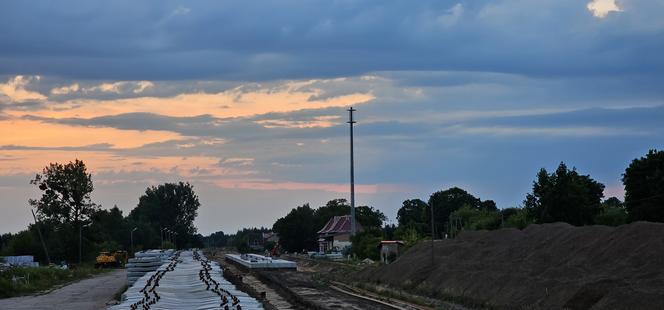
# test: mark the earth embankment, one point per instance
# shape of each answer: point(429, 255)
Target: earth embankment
point(550, 266)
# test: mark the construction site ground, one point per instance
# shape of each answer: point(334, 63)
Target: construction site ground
point(92, 293)
point(310, 287)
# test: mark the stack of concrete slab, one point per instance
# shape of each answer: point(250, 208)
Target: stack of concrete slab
point(255, 261)
point(144, 262)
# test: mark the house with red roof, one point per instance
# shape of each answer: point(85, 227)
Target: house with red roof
point(335, 235)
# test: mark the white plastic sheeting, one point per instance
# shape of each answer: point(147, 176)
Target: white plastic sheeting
point(187, 281)
point(144, 262)
point(22, 260)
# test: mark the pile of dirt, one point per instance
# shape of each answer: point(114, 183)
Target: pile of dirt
point(551, 266)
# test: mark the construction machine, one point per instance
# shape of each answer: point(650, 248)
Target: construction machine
point(106, 259)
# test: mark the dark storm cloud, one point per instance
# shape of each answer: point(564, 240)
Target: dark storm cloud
point(129, 40)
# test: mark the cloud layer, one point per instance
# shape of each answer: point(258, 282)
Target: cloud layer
point(247, 40)
point(247, 100)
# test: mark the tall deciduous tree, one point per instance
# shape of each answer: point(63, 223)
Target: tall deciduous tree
point(66, 193)
point(644, 187)
point(297, 230)
point(413, 214)
point(367, 216)
point(447, 201)
point(565, 196)
point(612, 213)
point(172, 206)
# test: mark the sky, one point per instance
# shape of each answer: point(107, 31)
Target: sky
point(247, 100)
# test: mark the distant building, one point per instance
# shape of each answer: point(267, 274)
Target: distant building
point(390, 250)
point(335, 235)
point(257, 241)
point(270, 237)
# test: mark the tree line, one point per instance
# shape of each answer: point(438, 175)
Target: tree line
point(563, 195)
point(65, 212)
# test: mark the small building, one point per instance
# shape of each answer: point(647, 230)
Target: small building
point(390, 250)
point(270, 236)
point(335, 235)
point(257, 240)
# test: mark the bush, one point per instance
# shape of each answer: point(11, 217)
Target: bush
point(365, 244)
point(612, 216)
point(478, 219)
point(407, 234)
point(36, 279)
point(520, 219)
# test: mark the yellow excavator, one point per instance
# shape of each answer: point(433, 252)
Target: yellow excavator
point(106, 259)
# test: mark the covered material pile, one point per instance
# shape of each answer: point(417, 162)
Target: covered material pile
point(144, 262)
point(187, 281)
point(551, 266)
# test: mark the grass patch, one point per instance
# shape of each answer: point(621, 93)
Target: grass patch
point(26, 281)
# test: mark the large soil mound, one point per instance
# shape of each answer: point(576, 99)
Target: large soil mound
point(551, 266)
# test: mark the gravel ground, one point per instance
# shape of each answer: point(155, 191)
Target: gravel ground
point(287, 289)
point(86, 294)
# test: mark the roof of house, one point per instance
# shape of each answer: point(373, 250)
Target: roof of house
point(269, 234)
point(337, 225)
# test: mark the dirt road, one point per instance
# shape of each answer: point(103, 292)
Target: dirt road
point(86, 294)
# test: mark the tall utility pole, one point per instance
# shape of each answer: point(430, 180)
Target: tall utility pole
point(48, 258)
point(352, 174)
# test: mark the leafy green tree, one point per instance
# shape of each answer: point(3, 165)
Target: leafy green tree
point(407, 234)
point(612, 213)
point(110, 225)
point(64, 206)
point(489, 205)
point(565, 196)
point(297, 230)
point(172, 206)
point(517, 217)
point(247, 236)
point(332, 208)
point(21, 243)
point(217, 239)
point(388, 231)
point(367, 216)
point(507, 212)
point(66, 193)
point(413, 214)
point(644, 187)
point(478, 219)
point(447, 201)
point(612, 202)
point(365, 244)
